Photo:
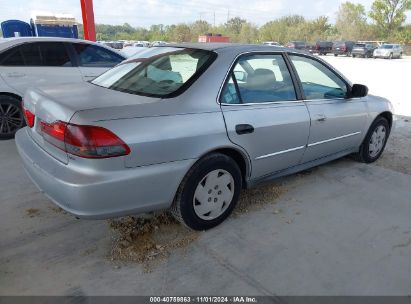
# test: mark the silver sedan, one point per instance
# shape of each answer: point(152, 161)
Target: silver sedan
point(186, 127)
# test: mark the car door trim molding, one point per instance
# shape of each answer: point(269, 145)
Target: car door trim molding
point(280, 152)
point(333, 139)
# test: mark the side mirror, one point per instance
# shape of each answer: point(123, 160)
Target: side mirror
point(358, 90)
point(240, 76)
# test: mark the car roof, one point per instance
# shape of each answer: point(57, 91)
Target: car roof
point(232, 47)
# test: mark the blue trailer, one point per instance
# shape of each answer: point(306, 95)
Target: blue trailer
point(41, 26)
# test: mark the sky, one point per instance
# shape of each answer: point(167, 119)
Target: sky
point(146, 12)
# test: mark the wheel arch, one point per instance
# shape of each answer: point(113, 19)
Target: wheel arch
point(18, 97)
point(388, 116)
point(238, 156)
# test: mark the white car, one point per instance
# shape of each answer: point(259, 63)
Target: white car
point(388, 51)
point(33, 61)
point(272, 43)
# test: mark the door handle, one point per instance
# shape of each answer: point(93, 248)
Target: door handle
point(244, 129)
point(321, 117)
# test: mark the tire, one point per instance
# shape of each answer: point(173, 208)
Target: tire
point(202, 183)
point(365, 154)
point(335, 55)
point(390, 57)
point(353, 56)
point(399, 57)
point(11, 116)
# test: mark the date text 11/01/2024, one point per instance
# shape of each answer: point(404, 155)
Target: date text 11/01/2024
point(203, 299)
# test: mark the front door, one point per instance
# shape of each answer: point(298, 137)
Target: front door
point(337, 123)
point(263, 115)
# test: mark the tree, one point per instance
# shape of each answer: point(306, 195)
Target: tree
point(389, 15)
point(235, 24)
point(351, 21)
point(181, 33)
point(249, 33)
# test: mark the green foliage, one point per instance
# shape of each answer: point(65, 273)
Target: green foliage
point(351, 23)
point(389, 15)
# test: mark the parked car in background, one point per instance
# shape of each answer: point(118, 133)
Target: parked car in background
point(389, 51)
point(365, 50)
point(158, 43)
point(342, 48)
point(322, 47)
point(298, 45)
point(130, 51)
point(34, 61)
point(198, 122)
point(272, 43)
point(117, 45)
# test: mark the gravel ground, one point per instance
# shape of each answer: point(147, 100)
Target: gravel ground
point(397, 154)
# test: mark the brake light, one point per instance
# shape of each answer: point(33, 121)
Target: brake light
point(84, 141)
point(29, 117)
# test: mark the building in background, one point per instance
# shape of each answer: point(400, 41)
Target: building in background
point(209, 37)
point(42, 25)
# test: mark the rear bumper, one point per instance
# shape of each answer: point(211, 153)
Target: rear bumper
point(339, 52)
point(358, 53)
point(97, 194)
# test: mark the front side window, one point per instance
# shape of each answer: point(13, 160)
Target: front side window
point(259, 79)
point(318, 81)
point(161, 72)
point(94, 56)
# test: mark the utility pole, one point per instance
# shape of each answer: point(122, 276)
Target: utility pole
point(228, 14)
point(214, 18)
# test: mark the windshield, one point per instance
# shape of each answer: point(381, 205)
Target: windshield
point(158, 71)
point(387, 46)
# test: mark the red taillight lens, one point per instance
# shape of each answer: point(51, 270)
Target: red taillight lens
point(29, 117)
point(84, 141)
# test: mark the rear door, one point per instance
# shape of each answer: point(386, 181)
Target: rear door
point(35, 64)
point(337, 123)
point(94, 60)
point(263, 114)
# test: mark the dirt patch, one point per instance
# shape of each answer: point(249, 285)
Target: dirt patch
point(148, 239)
point(397, 155)
point(32, 212)
point(57, 209)
point(256, 198)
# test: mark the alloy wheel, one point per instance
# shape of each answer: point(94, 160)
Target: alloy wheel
point(11, 118)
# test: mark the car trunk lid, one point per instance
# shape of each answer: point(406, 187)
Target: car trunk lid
point(60, 103)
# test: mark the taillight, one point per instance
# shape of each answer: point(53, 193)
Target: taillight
point(84, 141)
point(29, 117)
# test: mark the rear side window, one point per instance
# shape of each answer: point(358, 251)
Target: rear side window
point(37, 54)
point(95, 56)
point(12, 57)
point(259, 79)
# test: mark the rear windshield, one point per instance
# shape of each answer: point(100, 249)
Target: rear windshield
point(387, 46)
point(339, 43)
point(158, 72)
